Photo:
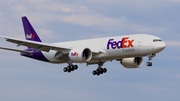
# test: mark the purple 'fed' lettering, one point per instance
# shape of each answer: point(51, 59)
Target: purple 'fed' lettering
point(114, 44)
point(124, 43)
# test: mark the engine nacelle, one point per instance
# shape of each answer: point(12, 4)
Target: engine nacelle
point(80, 55)
point(134, 62)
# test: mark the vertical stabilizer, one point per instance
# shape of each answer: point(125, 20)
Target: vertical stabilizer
point(30, 33)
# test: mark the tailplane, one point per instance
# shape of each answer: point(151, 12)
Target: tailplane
point(30, 33)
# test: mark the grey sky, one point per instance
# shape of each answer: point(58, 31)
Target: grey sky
point(23, 79)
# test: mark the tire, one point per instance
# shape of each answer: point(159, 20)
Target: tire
point(65, 69)
point(75, 67)
point(101, 70)
point(150, 64)
point(69, 71)
point(72, 68)
point(94, 72)
point(104, 70)
point(97, 72)
point(147, 64)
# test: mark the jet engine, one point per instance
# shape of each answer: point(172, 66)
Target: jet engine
point(134, 62)
point(80, 55)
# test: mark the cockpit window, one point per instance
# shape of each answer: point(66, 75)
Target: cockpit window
point(155, 40)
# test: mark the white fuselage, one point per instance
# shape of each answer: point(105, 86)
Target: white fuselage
point(111, 48)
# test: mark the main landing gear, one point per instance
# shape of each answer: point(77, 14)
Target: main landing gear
point(99, 70)
point(150, 58)
point(70, 68)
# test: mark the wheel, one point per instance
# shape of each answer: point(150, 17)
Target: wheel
point(147, 63)
point(72, 68)
point(104, 70)
point(75, 67)
point(150, 63)
point(97, 72)
point(94, 72)
point(65, 69)
point(68, 68)
point(69, 71)
point(101, 70)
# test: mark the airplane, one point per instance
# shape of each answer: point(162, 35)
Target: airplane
point(128, 49)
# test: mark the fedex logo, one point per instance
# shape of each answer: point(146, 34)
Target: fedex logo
point(74, 54)
point(124, 43)
point(30, 36)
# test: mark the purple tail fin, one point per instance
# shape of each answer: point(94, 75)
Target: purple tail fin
point(30, 33)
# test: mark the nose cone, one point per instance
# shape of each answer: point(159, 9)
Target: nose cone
point(159, 46)
point(163, 45)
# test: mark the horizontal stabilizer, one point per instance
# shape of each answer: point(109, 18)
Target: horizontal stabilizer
point(15, 50)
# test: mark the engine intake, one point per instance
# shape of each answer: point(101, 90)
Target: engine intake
point(80, 55)
point(134, 62)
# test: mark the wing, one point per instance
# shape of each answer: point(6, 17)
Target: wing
point(33, 44)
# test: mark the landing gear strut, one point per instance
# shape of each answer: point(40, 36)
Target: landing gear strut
point(150, 58)
point(99, 70)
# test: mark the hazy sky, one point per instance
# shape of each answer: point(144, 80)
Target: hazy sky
point(23, 79)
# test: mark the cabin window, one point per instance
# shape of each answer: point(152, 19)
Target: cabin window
point(156, 40)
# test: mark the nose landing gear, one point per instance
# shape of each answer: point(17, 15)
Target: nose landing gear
point(149, 64)
point(150, 58)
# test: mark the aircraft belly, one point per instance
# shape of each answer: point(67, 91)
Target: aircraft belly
point(50, 56)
